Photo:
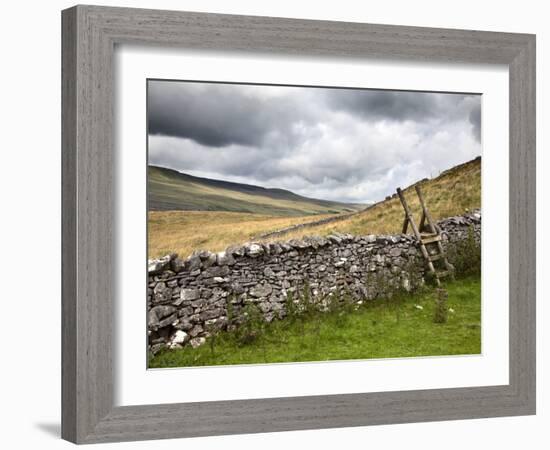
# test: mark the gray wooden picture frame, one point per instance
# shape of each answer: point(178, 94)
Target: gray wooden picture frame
point(90, 34)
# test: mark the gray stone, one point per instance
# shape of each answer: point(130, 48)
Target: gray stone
point(225, 259)
point(162, 293)
point(237, 288)
point(203, 254)
point(160, 287)
point(285, 247)
point(211, 314)
point(346, 253)
point(216, 271)
point(199, 303)
point(156, 266)
point(208, 259)
point(170, 320)
point(193, 263)
point(197, 342)
point(162, 311)
point(299, 244)
point(157, 348)
point(261, 290)
point(152, 321)
point(177, 265)
point(236, 251)
point(254, 250)
point(185, 312)
point(395, 251)
point(183, 324)
point(196, 330)
point(178, 338)
point(189, 294)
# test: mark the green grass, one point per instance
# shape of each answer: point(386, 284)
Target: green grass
point(380, 329)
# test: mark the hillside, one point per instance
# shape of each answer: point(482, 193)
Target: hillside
point(183, 232)
point(451, 193)
point(169, 190)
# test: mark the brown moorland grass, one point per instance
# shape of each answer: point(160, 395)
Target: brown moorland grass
point(452, 193)
point(183, 232)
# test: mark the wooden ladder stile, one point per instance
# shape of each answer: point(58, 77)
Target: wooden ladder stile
point(409, 219)
point(428, 233)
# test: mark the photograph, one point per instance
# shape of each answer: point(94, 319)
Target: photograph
point(290, 224)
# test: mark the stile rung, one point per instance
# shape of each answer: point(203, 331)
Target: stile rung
point(430, 240)
point(443, 273)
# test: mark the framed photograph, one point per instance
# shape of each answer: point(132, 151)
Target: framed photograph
point(267, 222)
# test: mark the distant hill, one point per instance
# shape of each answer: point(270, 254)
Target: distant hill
point(172, 190)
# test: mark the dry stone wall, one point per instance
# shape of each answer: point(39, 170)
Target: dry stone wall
point(187, 298)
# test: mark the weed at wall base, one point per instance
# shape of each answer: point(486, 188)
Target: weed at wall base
point(465, 255)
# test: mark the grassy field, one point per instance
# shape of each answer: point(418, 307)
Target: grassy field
point(183, 232)
point(395, 328)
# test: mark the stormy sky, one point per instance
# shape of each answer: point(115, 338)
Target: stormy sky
point(350, 145)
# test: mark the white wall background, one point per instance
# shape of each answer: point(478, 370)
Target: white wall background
point(30, 226)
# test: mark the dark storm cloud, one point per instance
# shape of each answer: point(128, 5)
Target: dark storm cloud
point(414, 106)
point(391, 105)
point(217, 115)
point(349, 145)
